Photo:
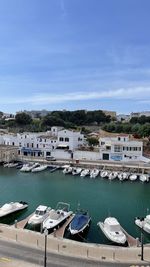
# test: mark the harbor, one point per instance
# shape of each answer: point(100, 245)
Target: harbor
point(125, 201)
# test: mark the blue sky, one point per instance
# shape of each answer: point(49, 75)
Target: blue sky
point(75, 54)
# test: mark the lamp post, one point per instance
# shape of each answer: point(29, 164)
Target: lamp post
point(45, 234)
point(142, 245)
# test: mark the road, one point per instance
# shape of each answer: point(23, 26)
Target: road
point(16, 255)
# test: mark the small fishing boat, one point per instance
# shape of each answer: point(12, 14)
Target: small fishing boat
point(39, 168)
point(123, 176)
point(94, 173)
point(12, 207)
point(29, 167)
point(85, 172)
point(40, 214)
point(112, 230)
point(144, 224)
point(76, 171)
point(133, 177)
point(80, 223)
point(57, 216)
point(113, 175)
point(67, 170)
point(144, 177)
point(104, 174)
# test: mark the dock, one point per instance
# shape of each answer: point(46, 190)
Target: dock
point(60, 231)
point(22, 224)
point(132, 242)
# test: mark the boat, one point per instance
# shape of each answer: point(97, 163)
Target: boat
point(104, 174)
point(39, 168)
point(67, 170)
point(57, 216)
point(133, 177)
point(28, 167)
point(40, 214)
point(12, 207)
point(112, 230)
point(94, 173)
point(123, 176)
point(12, 165)
point(85, 172)
point(144, 224)
point(144, 177)
point(80, 223)
point(76, 171)
point(113, 175)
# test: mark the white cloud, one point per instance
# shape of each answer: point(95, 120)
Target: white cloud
point(138, 94)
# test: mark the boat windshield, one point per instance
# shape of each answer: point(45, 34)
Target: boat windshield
point(40, 212)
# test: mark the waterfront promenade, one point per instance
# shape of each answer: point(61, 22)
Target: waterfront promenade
point(96, 252)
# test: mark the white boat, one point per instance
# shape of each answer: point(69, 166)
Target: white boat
point(39, 168)
point(112, 230)
point(144, 177)
point(28, 167)
point(40, 214)
point(113, 175)
point(12, 165)
point(67, 170)
point(104, 174)
point(57, 216)
point(12, 207)
point(94, 173)
point(85, 172)
point(76, 171)
point(123, 176)
point(133, 177)
point(145, 224)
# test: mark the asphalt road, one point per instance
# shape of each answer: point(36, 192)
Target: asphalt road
point(13, 254)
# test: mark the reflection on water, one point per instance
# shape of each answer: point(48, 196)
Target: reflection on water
point(102, 198)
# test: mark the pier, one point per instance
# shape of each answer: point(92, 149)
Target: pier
point(132, 242)
point(22, 224)
point(61, 230)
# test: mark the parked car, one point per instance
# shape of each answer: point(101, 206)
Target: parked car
point(50, 158)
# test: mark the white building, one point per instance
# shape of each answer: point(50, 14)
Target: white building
point(139, 114)
point(120, 148)
point(70, 139)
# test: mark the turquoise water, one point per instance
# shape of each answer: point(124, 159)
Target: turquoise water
point(100, 197)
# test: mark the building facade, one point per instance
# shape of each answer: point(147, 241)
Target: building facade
point(120, 148)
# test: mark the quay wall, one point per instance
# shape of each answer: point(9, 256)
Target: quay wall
point(67, 247)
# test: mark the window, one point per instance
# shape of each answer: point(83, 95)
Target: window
point(117, 148)
point(61, 139)
point(37, 146)
point(66, 139)
point(13, 143)
point(102, 143)
point(119, 138)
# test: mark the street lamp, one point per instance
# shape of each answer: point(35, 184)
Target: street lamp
point(142, 245)
point(45, 234)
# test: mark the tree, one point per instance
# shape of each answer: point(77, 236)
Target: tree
point(92, 141)
point(23, 118)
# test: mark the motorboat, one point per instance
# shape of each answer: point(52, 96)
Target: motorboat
point(104, 174)
point(85, 172)
point(57, 216)
point(29, 167)
point(113, 175)
point(123, 176)
point(80, 222)
point(54, 168)
point(40, 214)
point(94, 173)
point(112, 230)
point(76, 171)
point(144, 177)
point(12, 207)
point(67, 170)
point(39, 168)
point(133, 177)
point(144, 224)
point(12, 165)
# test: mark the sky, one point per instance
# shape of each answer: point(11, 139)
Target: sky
point(75, 54)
